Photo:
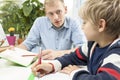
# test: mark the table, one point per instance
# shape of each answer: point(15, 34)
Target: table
point(10, 71)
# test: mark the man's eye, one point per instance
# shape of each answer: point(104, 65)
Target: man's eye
point(84, 22)
point(50, 14)
point(58, 12)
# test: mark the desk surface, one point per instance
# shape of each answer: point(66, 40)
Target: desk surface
point(10, 71)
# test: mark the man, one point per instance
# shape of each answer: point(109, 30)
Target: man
point(55, 33)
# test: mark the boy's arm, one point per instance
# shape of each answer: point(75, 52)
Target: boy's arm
point(74, 58)
point(109, 70)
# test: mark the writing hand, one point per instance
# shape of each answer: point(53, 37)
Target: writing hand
point(43, 68)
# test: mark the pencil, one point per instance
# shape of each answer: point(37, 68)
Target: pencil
point(29, 55)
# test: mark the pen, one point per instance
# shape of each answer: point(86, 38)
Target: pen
point(39, 61)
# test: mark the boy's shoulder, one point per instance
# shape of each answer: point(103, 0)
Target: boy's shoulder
point(115, 46)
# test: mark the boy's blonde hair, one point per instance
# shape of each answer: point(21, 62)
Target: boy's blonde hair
point(109, 10)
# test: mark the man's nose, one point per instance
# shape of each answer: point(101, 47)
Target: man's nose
point(55, 16)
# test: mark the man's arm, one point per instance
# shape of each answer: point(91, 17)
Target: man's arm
point(22, 46)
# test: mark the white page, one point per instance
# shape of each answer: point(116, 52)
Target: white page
point(3, 37)
point(55, 76)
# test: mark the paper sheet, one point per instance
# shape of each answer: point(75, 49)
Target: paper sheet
point(54, 76)
point(3, 37)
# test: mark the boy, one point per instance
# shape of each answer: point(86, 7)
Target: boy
point(101, 24)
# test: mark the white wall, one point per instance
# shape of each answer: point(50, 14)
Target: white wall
point(69, 4)
point(75, 12)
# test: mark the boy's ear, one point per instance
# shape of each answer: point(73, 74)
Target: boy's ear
point(102, 25)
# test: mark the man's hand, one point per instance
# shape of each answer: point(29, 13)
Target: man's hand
point(69, 69)
point(50, 54)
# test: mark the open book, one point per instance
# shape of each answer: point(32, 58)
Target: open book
point(19, 56)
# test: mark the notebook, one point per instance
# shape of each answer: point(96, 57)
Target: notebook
point(19, 56)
